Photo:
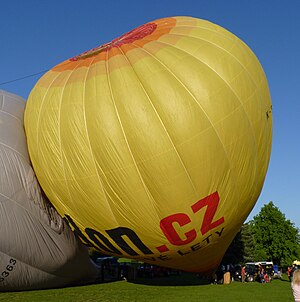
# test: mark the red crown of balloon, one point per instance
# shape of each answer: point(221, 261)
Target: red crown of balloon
point(131, 36)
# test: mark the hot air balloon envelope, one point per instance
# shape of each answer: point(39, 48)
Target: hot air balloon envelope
point(155, 146)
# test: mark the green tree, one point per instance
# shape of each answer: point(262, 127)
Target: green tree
point(275, 237)
point(242, 248)
point(247, 238)
point(235, 252)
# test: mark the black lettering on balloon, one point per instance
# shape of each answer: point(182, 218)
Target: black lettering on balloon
point(207, 239)
point(105, 245)
point(220, 232)
point(163, 257)
point(117, 236)
point(196, 246)
point(77, 231)
point(182, 253)
point(9, 268)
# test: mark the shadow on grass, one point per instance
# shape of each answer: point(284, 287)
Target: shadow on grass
point(283, 280)
point(180, 279)
point(184, 279)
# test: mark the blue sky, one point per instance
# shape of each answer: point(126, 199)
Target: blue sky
point(37, 35)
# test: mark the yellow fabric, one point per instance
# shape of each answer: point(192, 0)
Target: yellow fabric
point(156, 145)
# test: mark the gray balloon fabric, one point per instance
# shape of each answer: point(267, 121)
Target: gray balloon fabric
point(37, 248)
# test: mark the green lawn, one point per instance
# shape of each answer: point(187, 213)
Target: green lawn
point(185, 288)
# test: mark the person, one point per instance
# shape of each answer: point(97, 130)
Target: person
point(262, 276)
point(243, 273)
point(266, 277)
point(226, 277)
point(296, 285)
point(289, 272)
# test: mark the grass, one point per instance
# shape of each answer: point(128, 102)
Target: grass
point(187, 288)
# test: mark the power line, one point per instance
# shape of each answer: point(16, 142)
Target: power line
point(22, 78)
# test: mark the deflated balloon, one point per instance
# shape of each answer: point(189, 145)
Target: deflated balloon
point(155, 146)
point(37, 248)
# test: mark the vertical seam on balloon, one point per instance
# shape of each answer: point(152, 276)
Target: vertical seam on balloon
point(114, 103)
point(91, 150)
point(40, 110)
point(150, 196)
point(39, 118)
point(113, 100)
point(264, 133)
point(59, 134)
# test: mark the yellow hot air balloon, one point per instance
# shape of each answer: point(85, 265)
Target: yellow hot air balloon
point(155, 146)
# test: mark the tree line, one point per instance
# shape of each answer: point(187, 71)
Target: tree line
point(269, 236)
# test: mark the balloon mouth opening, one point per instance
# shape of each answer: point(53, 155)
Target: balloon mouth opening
point(128, 38)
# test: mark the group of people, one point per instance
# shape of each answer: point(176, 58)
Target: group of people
point(264, 277)
point(261, 275)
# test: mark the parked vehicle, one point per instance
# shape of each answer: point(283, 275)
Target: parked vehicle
point(253, 270)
